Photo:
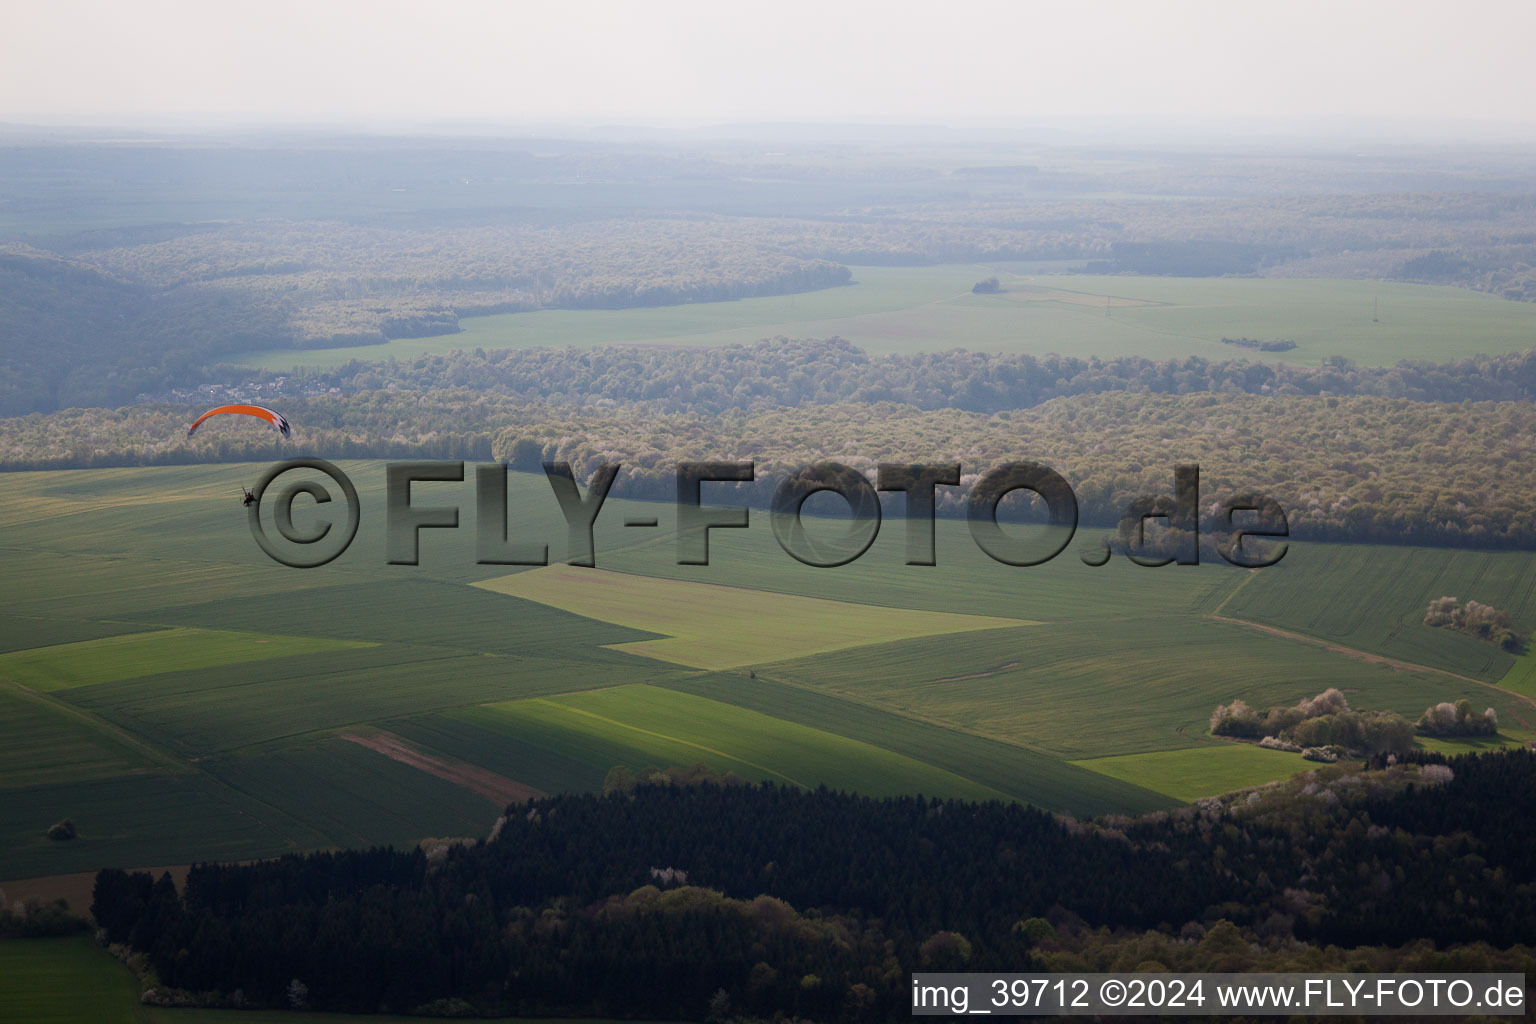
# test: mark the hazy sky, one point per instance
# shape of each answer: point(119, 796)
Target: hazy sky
point(652, 61)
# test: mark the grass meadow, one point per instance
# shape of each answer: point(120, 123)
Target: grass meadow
point(1200, 771)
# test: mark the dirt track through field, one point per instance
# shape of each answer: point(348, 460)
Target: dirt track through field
point(472, 777)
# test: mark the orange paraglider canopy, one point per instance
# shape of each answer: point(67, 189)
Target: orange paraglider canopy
point(276, 420)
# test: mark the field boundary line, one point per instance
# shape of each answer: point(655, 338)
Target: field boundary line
point(907, 715)
point(117, 734)
point(1375, 659)
point(1243, 583)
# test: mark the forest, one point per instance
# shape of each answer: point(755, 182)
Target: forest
point(712, 900)
point(103, 333)
point(1343, 465)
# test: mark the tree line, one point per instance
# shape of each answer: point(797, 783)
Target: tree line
point(1360, 469)
point(1326, 728)
point(796, 372)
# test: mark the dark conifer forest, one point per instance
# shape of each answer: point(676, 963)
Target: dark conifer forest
point(673, 901)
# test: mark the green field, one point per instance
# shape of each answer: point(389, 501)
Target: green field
point(180, 697)
point(1201, 771)
point(925, 309)
point(641, 726)
point(1521, 677)
point(110, 659)
point(1372, 598)
point(1475, 744)
point(715, 627)
point(1022, 772)
point(1080, 689)
point(42, 743)
point(65, 981)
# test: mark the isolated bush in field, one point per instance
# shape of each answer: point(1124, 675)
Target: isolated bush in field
point(1441, 611)
point(1277, 345)
point(63, 830)
point(1488, 623)
point(1458, 719)
point(1475, 619)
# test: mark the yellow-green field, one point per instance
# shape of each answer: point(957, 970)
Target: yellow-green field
point(1201, 771)
point(714, 627)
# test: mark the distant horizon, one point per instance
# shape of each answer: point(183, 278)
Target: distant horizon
point(673, 63)
point(1097, 130)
